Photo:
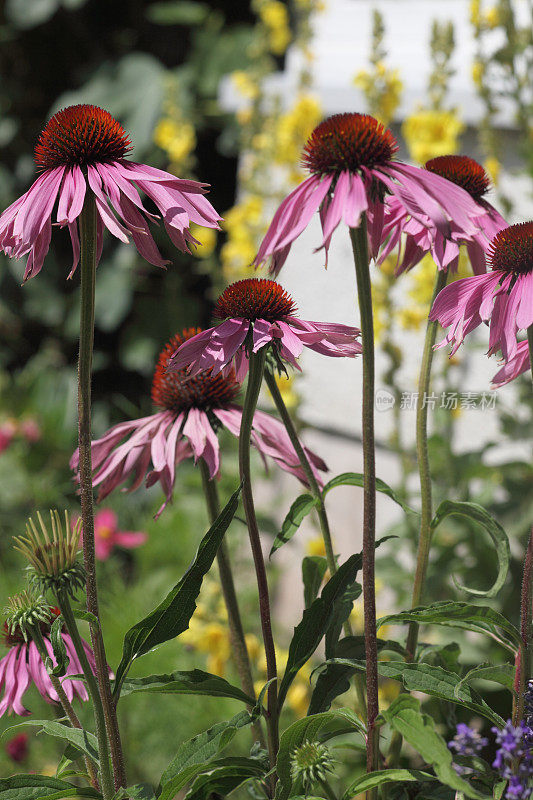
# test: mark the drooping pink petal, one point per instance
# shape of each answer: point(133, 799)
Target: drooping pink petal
point(203, 439)
point(514, 367)
point(213, 348)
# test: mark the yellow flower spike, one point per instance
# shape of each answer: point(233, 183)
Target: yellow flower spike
point(245, 84)
point(478, 72)
point(207, 238)
point(216, 664)
point(475, 13)
point(253, 646)
point(298, 699)
point(430, 133)
point(491, 17)
point(493, 167)
point(275, 16)
point(294, 128)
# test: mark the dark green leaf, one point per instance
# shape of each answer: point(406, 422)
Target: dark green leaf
point(373, 779)
point(299, 509)
point(33, 787)
point(316, 620)
point(481, 619)
point(194, 681)
point(313, 570)
point(494, 529)
point(404, 716)
point(59, 649)
point(223, 780)
point(179, 12)
point(504, 674)
point(86, 616)
point(357, 478)
point(171, 617)
point(141, 791)
point(81, 739)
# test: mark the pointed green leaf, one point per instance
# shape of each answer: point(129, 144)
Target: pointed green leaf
point(34, 787)
point(224, 779)
point(504, 674)
point(313, 570)
point(297, 512)
point(373, 779)
point(194, 681)
point(82, 739)
point(357, 479)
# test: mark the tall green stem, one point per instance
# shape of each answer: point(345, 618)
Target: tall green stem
point(526, 632)
point(321, 508)
point(88, 246)
point(364, 293)
point(255, 375)
point(426, 514)
point(530, 347)
point(107, 786)
point(236, 630)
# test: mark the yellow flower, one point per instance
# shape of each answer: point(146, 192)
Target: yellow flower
point(253, 646)
point(207, 238)
point(316, 547)
point(178, 139)
point(244, 226)
point(493, 167)
point(294, 128)
point(491, 17)
point(431, 133)
point(244, 116)
point(245, 84)
point(475, 13)
point(382, 89)
point(478, 71)
point(388, 691)
point(275, 16)
point(216, 664)
point(298, 698)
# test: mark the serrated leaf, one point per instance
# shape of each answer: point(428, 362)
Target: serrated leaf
point(357, 479)
point(504, 674)
point(373, 779)
point(81, 739)
point(404, 716)
point(494, 529)
point(297, 512)
point(316, 620)
point(313, 570)
point(481, 619)
point(171, 617)
point(33, 787)
point(194, 681)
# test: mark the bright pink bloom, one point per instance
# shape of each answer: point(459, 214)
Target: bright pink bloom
point(192, 411)
point(515, 366)
point(23, 665)
point(414, 238)
point(350, 157)
point(30, 429)
point(17, 747)
point(82, 149)
point(504, 295)
point(263, 312)
point(107, 537)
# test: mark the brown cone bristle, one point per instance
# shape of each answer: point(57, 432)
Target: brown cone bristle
point(178, 391)
point(255, 298)
point(348, 142)
point(15, 638)
point(511, 250)
point(463, 171)
point(81, 135)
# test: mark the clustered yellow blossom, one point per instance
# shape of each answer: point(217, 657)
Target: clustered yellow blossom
point(275, 17)
point(493, 167)
point(245, 84)
point(286, 386)
point(177, 138)
point(431, 133)
point(478, 73)
point(244, 226)
point(489, 18)
point(292, 131)
point(382, 88)
point(207, 238)
point(299, 694)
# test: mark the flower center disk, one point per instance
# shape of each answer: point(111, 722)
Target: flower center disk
point(348, 142)
point(511, 250)
point(178, 391)
point(81, 135)
point(255, 298)
point(463, 171)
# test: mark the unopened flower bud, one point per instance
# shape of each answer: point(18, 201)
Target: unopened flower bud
point(311, 762)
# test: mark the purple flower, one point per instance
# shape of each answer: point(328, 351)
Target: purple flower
point(466, 742)
point(514, 759)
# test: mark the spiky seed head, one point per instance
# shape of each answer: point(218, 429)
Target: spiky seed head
point(52, 553)
point(311, 762)
point(24, 611)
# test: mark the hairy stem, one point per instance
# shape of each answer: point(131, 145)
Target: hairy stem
point(526, 632)
point(236, 630)
point(364, 294)
point(257, 364)
point(88, 273)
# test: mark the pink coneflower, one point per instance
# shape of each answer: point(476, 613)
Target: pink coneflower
point(515, 366)
point(504, 295)
point(8, 430)
point(420, 238)
point(17, 747)
point(107, 536)
point(23, 665)
point(351, 161)
point(260, 312)
point(192, 410)
point(83, 148)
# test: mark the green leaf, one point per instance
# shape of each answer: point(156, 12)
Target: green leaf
point(33, 787)
point(504, 674)
point(223, 780)
point(434, 681)
point(373, 779)
point(357, 478)
point(299, 509)
point(179, 12)
point(59, 649)
point(313, 570)
point(86, 616)
point(481, 619)
point(194, 681)
point(171, 617)
point(316, 620)
point(203, 747)
point(494, 529)
point(81, 739)
point(404, 716)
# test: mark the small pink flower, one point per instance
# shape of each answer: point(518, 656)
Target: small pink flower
point(17, 747)
point(414, 238)
point(515, 366)
point(107, 537)
point(504, 295)
point(82, 148)
point(351, 161)
point(23, 665)
point(30, 429)
point(261, 311)
point(8, 430)
point(192, 410)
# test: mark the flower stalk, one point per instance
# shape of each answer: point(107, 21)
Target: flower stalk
point(364, 293)
point(255, 376)
point(526, 633)
point(88, 259)
point(530, 347)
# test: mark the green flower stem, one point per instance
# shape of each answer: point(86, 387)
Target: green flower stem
point(88, 272)
point(530, 346)
point(255, 375)
point(364, 294)
point(321, 508)
point(426, 515)
point(330, 794)
point(66, 705)
point(236, 630)
point(526, 632)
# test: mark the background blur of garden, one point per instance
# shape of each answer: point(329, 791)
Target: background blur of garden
point(227, 92)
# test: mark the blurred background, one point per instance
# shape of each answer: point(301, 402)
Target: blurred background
point(227, 93)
